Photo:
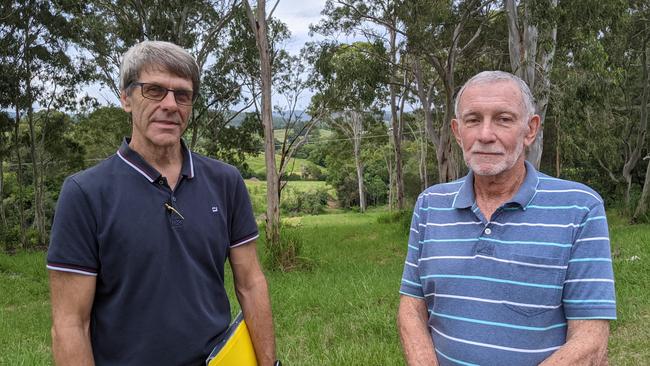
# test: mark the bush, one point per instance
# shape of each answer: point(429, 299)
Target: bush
point(312, 172)
point(308, 203)
point(286, 256)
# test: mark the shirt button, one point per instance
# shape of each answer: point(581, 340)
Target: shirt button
point(173, 199)
point(161, 182)
point(488, 231)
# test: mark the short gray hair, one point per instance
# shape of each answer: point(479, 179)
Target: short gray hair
point(527, 99)
point(158, 54)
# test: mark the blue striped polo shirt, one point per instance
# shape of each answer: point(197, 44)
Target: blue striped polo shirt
point(501, 291)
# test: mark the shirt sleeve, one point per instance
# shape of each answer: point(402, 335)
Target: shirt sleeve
point(73, 240)
point(411, 285)
point(243, 228)
point(589, 284)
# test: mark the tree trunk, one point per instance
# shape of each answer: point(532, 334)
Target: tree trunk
point(523, 65)
point(357, 129)
point(395, 123)
point(635, 154)
point(642, 206)
point(19, 178)
point(558, 160)
point(424, 95)
point(259, 26)
point(422, 166)
point(389, 166)
point(3, 217)
point(447, 167)
point(39, 214)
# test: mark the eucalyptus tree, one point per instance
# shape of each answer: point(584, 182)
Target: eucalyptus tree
point(377, 21)
point(439, 35)
point(292, 82)
point(349, 81)
point(258, 22)
point(38, 36)
point(532, 31)
point(5, 129)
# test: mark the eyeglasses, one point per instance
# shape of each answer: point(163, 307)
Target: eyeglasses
point(158, 93)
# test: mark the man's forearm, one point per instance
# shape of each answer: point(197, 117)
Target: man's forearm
point(71, 346)
point(586, 345)
point(256, 306)
point(414, 333)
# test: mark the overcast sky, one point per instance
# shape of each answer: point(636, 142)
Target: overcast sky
point(297, 14)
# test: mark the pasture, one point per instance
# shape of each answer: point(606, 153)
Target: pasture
point(341, 310)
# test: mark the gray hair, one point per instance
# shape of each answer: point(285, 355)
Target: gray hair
point(527, 99)
point(164, 55)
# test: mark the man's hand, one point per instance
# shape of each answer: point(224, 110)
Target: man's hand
point(72, 299)
point(586, 345)
point(412, 320)
point(253, 296)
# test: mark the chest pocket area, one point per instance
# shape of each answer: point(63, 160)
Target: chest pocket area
point(537, 284)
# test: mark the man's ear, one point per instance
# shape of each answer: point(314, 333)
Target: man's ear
point(125, 100)
point(455, 129)
point(533, 127)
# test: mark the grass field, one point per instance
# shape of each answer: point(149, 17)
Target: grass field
point(258, 165)
point(342, 310)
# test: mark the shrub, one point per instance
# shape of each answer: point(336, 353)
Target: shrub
point(286, 255)
point(309, 203)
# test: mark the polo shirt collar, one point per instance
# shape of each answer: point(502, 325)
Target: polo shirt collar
point(137, 162)
point(466, 198)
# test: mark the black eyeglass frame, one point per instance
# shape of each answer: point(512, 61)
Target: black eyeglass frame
point(141, 85)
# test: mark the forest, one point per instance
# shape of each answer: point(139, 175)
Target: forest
point(376, 127)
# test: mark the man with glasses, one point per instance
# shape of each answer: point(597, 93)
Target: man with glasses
point(139, 241)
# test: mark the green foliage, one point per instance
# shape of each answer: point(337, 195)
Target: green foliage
point(348, 77)
point(101, 132)
point(312, 202)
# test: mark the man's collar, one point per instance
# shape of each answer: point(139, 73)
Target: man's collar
point(466, 197)
point(137, 162)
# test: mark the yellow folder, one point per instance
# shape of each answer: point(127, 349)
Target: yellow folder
point(235, 348)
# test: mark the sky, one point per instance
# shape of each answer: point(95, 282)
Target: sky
point(297, 14)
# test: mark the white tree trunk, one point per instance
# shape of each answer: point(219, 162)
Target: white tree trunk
point(356, 122)
point(259, 26)
point(525, 57)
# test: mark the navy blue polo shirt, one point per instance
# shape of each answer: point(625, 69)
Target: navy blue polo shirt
point(158, 254)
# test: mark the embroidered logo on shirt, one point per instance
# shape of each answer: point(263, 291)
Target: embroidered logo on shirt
point(215, 209)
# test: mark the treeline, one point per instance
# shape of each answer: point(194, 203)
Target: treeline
point(587, 63)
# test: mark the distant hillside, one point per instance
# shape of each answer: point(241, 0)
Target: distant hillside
point(278, 122)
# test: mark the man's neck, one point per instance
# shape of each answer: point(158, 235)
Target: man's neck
point(168, 160)
point(493, 191)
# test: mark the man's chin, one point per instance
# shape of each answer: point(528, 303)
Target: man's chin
point(487, 170)
point(166, 140)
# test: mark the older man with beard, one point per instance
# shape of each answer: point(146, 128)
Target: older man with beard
point(506, 266)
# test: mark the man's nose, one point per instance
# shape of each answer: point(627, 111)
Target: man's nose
point(169, 101)
point(486, 131)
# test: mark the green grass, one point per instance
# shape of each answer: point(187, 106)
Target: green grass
point(342, 310)
point(24, 310)
point(258, 165)
point(630, 341)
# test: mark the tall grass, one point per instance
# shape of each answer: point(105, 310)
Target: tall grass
point(341, 309)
